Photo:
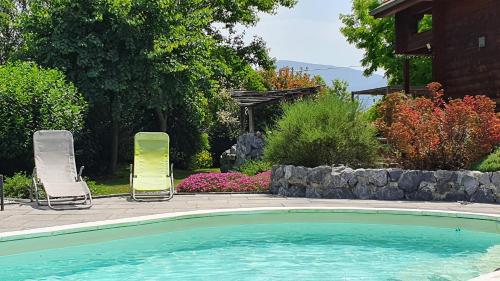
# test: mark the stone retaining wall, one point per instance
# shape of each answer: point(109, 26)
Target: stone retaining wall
point(385, 184)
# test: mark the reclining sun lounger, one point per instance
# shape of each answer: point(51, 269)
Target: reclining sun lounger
point(151, 177)
point(55, 171)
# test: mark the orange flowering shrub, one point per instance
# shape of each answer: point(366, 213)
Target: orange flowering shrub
point(286, 78)
point(430, 133)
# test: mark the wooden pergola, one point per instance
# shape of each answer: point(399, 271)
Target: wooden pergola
point(248, 100)
point(382, 91)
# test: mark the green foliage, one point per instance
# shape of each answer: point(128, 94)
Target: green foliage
point(31, 99)
point(93, 186)
point(202, 159)
point(377, 38)
point(144, 60)
point(425, 24)
point(329, 130)
point(489, 164)
point(224, 126)
point(9, 32)
point(339, 88)
point(17, 186)
point(253, 167)
point(372, 114)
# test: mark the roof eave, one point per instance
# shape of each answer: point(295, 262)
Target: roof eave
point(392, 7)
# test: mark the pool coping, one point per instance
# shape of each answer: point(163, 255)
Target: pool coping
point(148, 219)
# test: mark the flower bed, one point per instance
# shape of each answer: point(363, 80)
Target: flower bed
point(226, 182)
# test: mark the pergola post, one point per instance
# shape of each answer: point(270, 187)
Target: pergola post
point(242, 120)
point(251, 125)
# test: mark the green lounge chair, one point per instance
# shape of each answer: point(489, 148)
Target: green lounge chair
point(151, 177)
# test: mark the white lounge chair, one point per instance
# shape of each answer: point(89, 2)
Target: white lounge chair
point(55, 171)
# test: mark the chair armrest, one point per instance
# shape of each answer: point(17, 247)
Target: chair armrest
point(79, 178)
point(131, 178)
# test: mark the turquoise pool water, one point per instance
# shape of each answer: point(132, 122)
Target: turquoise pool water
point(259, 247)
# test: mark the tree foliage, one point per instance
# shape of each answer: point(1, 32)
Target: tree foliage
point(287, 78)
point(10, 36)
point(132, 58)
point(31, 99)
point(377, 38)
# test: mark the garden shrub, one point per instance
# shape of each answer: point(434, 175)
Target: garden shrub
point(31, 99)
point(372, 113)
point(325, 131)
point(225, 182)
point(491, 163)
point(224, 126)
point(202, 159)
point(253, 167)
point(430, 133)
point(17, 186)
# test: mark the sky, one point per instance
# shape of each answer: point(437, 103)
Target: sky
point(309, 32)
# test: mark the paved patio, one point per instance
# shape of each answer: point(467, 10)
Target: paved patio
point(28, 216)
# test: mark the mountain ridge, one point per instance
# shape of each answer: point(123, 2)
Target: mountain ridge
point(354, 77)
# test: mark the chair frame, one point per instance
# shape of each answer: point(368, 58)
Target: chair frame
point(137, 196)
point(75, 202)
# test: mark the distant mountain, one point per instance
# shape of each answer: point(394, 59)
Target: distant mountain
point(355, 78)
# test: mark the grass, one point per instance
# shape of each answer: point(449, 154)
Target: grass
point(119, 182)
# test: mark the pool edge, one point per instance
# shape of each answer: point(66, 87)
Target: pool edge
point(139, 220)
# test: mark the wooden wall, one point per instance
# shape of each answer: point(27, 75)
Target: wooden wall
point(459, 64)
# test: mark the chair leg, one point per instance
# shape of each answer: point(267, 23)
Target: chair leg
point(48, 202)
point(91, 203)
point(37, 196)
point(146, 198)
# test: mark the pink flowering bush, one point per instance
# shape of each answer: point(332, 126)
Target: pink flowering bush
point(226, 182)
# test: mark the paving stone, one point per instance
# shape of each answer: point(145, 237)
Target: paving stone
point(21, 217)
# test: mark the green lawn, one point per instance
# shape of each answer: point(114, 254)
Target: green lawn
point(119, 182)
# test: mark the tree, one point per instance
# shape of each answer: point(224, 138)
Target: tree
point(32, 99)
point(10, 37)
point(133, 57)
point(287, 78)
point(377, 38)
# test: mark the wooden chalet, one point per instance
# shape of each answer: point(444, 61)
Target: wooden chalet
point(464, 42)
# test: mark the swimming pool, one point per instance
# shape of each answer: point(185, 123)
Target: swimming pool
point(307, 244)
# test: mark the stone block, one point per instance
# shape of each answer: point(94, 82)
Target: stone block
point(484, 194)
point(389, 192)
point(410, 180)
point(394, 174)
point(445, 180)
